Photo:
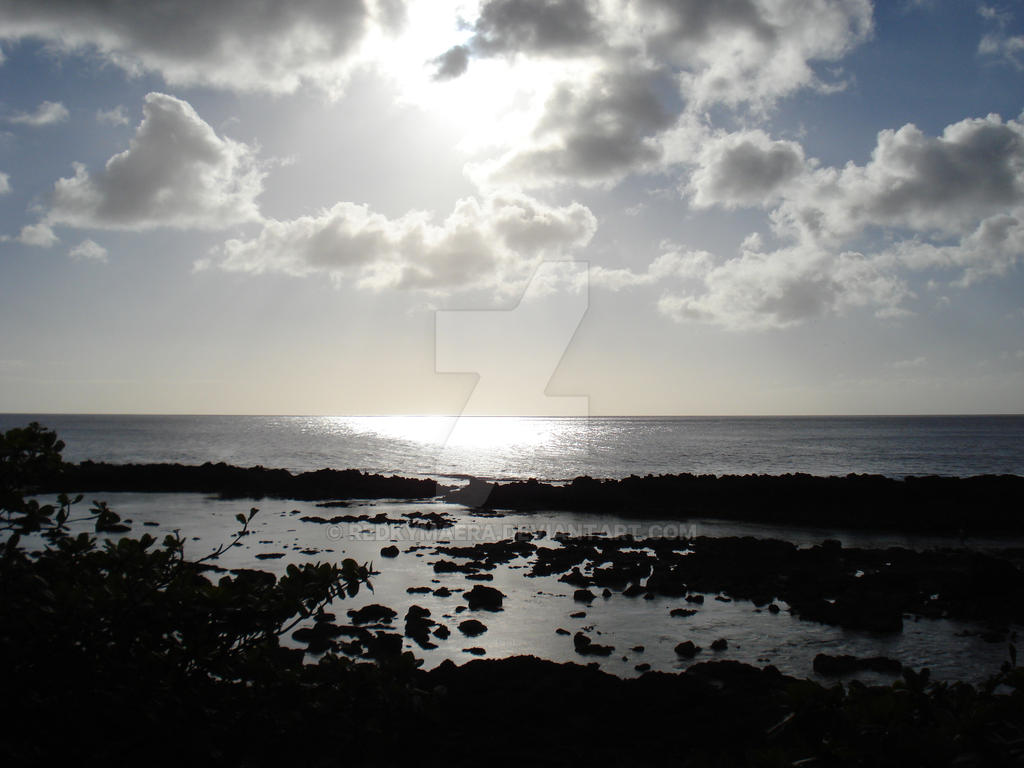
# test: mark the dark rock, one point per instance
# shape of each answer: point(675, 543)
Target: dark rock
point(645, 667)
point(418, 590)
point(720, 644)
point(681, 613)
point(391, 551)
point(472, 627)
point(442, 592)
point(637, 649)
point(698, 599)
point(578, 615)
point(486, 598)
point(561, 631)
point(773, 608)
point(269, 555)
point(476, 651)
point(687, 649)
point(586, 647)
point(442, 632)
point(583, 596)
point(372, 614)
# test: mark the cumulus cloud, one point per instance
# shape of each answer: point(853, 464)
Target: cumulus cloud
point(633, 70)
point(777, 289)
point(493, 242)
point(951, 202)
point(946, 183)
point(536, 26)
point(274, 45)
point(88, 250)
point(115, 116)
point(593, 132)
point(746, 168)
point(750, 52)
point(5, 183)
point(47, 113)
point(175, 173)
point(39, 235)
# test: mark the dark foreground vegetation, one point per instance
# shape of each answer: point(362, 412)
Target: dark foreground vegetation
point(986, 504)
point(124, 653)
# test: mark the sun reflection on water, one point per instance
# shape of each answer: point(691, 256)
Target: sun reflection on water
point(465, 432)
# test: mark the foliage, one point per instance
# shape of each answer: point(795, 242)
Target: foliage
point(128, 634)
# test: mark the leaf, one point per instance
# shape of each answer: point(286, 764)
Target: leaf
point(241, 518)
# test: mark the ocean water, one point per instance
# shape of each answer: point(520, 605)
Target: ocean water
point(555, 448)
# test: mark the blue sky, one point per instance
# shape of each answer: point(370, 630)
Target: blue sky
point(794, 206)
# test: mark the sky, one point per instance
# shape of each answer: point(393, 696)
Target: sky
point(512, 207)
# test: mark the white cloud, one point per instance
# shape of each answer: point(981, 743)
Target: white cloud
point(89, 250)
point(47, 113)
point(39, 235)
point(1008, 48)
point(494, 242)
point(953, 202)
point(175, 173)
point(274, 45)
point(761, 290)
point(115, 116)
point(5, 183)
point(944, 184)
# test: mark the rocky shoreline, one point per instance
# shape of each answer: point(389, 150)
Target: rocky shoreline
point(985, 504)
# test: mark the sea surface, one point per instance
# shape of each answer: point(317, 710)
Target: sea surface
point(554, 449)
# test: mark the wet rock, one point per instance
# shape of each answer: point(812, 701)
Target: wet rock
point(442, 592)
point(698, 599)
point(418, 625)
point(681, 613)
point(583, 596)
point(645, 667)
point(476, 651)
point(442, 632)
point(578, 615)
point(586, 647)
point(606, 593)
point(479, 577)
point(720, 644)
point(637, 649)
point(773, 608)
point(561, 631)
point(418, 590)
point(391, 551)
point(372, 614)
point(687, 649)
point(472, 627)
point(486, 598)
point(269, 555)
point(633, 590)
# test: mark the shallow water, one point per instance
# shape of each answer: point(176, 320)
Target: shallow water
point(535, 607)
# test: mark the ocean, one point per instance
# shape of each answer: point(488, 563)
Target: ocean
point(554, 449)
